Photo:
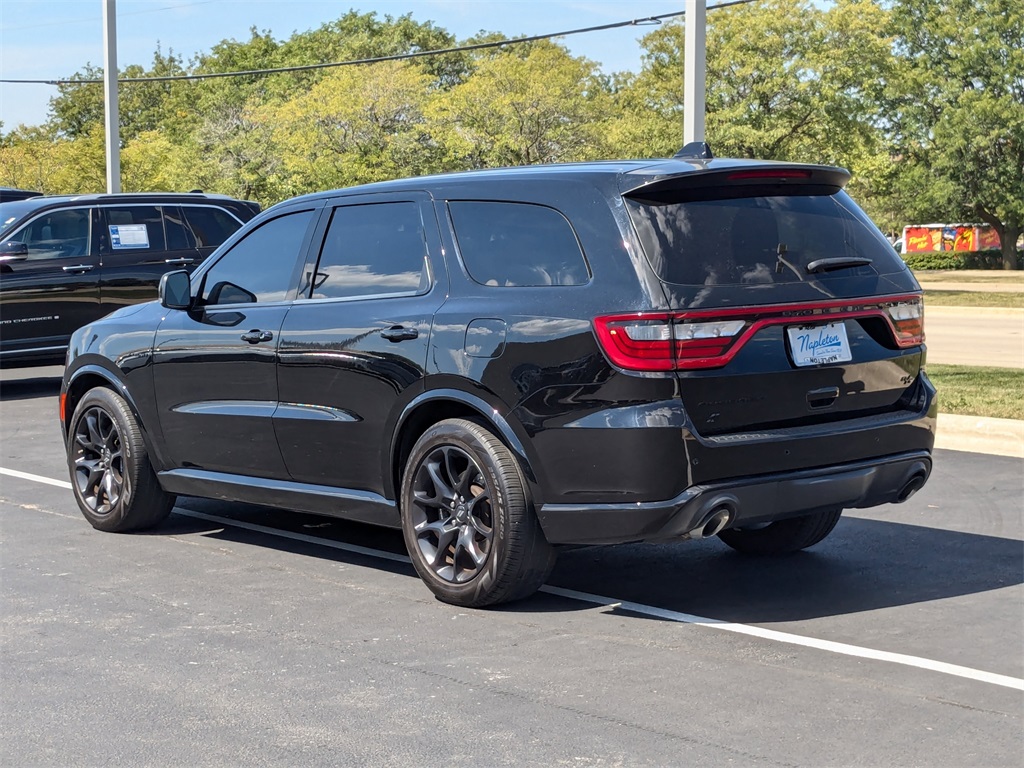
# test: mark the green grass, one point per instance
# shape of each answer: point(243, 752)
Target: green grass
point(991, 276)
point(934, 298)
point(977, 391)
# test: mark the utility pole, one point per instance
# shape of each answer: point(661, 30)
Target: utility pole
point(110, 105)
point(695, 70)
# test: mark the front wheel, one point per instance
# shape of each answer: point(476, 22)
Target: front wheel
point(783, 536)
point(467, 519)
point(114, 483)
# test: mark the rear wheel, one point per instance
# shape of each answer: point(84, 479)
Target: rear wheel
point(114, 483)
point(783, 536)
point(467, 519)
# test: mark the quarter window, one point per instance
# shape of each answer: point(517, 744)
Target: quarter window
point(517, 244)
point(371, 250)
point(211, 226)
point(260, 267)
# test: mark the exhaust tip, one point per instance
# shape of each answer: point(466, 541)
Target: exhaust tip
point(712, 524)
point(912, 486)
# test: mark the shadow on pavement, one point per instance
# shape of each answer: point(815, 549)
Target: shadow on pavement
point(863, 566)
point(30, 387)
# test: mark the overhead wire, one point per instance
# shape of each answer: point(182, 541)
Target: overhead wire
point(378, 59)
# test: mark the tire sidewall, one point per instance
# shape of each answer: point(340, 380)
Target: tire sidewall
point(474, 590)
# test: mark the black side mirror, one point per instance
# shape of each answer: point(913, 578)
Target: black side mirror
point(13, 250)
point(176, 290)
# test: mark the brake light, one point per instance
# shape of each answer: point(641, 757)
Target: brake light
point(665, 341)
point(770, 173)
point(908, 322)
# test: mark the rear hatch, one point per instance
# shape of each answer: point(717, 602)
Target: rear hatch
point(785, 306)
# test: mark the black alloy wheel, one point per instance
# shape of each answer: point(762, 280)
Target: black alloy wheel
point(98, 461)
point(111, 475)
point(451, 514)
point(467, 518)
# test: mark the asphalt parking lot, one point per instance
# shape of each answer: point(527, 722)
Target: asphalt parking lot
point(238, 635)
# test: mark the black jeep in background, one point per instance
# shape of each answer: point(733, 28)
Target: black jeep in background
point(66, 261)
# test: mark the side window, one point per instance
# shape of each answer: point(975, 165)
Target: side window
point(517, 244)
point(259, 268)
point(211, 226)
point(179, 236)
point(133, 228)
point(371, 250)
point(56, 235)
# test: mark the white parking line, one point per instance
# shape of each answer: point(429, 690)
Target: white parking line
point(844, 649)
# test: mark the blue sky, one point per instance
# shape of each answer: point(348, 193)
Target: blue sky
point(42, 39)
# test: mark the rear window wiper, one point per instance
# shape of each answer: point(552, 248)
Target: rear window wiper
point(840, 262)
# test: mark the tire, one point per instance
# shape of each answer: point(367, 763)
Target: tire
point(783, 536)
point(113, 482)
point(467, 518)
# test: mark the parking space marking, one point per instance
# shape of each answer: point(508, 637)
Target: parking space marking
point(844, 649)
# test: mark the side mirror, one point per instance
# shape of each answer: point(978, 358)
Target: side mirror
point(12, 250)
point(176, 290)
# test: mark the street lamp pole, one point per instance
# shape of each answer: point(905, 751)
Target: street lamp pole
point(110, 105)
point(694, 70)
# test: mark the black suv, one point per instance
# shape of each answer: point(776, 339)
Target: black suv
point(501, 361)
point(66, 261)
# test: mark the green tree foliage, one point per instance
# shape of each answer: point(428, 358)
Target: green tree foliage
point(542, 107)
point(957, 107)
point(786, 80)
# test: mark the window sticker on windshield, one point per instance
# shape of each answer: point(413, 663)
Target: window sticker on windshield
point(128, 236)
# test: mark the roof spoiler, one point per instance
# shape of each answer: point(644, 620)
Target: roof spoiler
point(742, 180)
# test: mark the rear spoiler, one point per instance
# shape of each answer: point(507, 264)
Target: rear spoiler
point(740, 180)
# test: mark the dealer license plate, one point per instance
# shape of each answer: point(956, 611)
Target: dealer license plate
point(819, 344)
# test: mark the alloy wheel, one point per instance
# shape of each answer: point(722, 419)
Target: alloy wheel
point(99, 461)
point(451, 514)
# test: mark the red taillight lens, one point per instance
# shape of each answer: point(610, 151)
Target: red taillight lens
point(663, 342)
point(908, 322)
point(770, 173)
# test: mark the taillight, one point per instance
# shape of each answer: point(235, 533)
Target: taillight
point(661, 342)
point(665, 341)
point(908, 322)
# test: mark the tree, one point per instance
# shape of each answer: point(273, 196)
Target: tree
point(786, 80)
point(544, 107)
point(957, 106)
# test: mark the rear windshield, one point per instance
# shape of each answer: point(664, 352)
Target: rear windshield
point(758, 240)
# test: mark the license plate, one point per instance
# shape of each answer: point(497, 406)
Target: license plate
point(819, 344)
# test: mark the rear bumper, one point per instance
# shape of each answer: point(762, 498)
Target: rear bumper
point(883, 480)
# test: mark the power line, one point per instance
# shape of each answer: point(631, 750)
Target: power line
point(64, 22)
point(378, 59)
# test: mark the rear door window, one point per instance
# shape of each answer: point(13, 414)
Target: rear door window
point(133, 228)
point(758, 240)
point(517, 244)
point(373, 250)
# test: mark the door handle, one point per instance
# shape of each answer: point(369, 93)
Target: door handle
point(179, 262)
point(255, 336)
point(399, 333)
point(79, 268)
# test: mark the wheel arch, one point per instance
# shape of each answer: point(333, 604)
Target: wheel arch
point(90, 376)
point(436, 405)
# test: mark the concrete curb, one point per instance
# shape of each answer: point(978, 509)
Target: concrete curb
point(979, 434)
point(1015, 312)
